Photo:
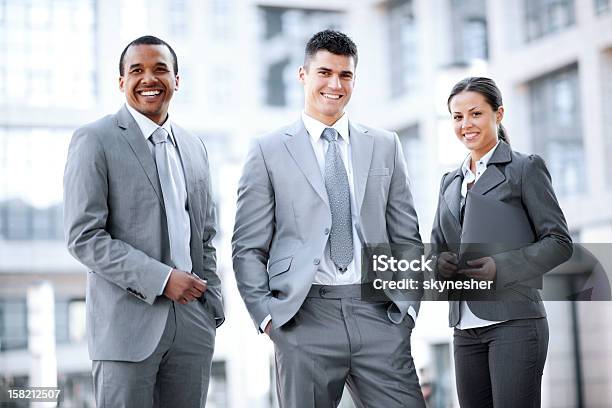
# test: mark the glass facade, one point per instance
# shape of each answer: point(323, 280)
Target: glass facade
point(51, 49)
point(602, 6)
point(13, 324)
point(412, 147)
point(544, 17)
point(403, 40)
point(469, 24)
point(284, 31)
point(557, 134)
point(31, 171)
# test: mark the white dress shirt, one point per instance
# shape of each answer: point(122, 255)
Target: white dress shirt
point(468, 319)
point(147, 127)
point(327, 273)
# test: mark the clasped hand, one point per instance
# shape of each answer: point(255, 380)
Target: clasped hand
point(184, 287)
point(481, 268)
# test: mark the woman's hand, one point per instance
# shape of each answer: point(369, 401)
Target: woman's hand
point(447, 264)
point(482, 269)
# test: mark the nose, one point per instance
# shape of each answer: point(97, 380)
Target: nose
point(334, 82)
point(149, 77)
point(465, 122)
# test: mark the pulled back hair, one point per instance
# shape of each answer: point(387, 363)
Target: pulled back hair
point(332, 41)
point(488, 89)
point(148, 40)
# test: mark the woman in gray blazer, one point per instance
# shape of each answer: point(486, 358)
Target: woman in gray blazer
point(500, 343)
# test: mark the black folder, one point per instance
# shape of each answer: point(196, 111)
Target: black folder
point(491, 226)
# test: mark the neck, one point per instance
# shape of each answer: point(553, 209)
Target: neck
point(479, 153)
point(327, 120)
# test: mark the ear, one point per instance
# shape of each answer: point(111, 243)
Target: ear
point(176, 82)
point(121, 83)
point(499, 115)
point(301, 75)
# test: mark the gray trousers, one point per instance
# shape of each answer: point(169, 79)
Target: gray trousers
point(336, 339)
point(175, 375)
point(501, 365)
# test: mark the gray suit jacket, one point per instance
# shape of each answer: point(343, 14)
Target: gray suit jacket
point(523, 181)
point(283, 212)
point(115, 225)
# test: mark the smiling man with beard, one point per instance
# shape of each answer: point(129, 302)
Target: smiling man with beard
point(138, 213)
point(310, 196)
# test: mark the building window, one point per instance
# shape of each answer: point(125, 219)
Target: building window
point(602, 6)
point(284, 31)
point(179, 17)
point(412, 147)
point(403, 50)
point(469, 24)
point(69, 320)
point(31, 169)
point(52, 52)
point(217, 389)
point(442, 377)
point(555, 123)
point(543, 17)
point(606, 84)
point(222, 24)
point(13, 324)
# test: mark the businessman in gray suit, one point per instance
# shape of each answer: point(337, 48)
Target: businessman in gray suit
point(310, 196)
point(138, 213)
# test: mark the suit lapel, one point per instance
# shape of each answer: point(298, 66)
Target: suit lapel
point(138, 144)
point(362, 146)
point(452, 195)
point(300, 148)
point(493, 176)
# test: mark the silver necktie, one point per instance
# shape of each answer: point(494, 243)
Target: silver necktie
point(172, 184)
point(337, 185)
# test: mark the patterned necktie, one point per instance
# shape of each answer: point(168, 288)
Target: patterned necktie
point(172, 184)
point(337, 185)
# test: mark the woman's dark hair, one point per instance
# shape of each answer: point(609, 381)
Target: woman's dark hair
point(487, 88)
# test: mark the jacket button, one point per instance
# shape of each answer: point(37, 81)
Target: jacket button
point(326, 232)
point(316, 261)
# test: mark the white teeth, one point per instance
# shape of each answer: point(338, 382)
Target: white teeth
point(149, 93)
point(330, 96)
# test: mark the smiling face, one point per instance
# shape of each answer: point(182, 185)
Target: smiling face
point(148, 80)
point(328, 81)
point(475, 122)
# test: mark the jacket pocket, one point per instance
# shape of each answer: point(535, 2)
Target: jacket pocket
point(279, 266)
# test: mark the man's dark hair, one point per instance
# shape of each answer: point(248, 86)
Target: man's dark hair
point(332, 41)
point(148, 40)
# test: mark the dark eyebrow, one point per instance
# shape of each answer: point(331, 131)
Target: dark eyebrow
point(323, 69)
point(471, 109)
point(159, 64)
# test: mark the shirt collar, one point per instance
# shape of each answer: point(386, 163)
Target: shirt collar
point(315, 128)
point(147, 126)
point(483, 162)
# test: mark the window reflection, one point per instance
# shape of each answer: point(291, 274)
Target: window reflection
point(59, 36)
point(557, 134)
